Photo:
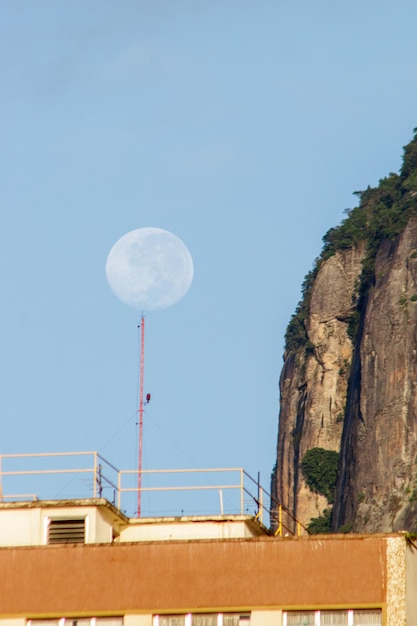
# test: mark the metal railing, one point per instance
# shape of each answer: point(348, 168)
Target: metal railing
point(76, 475)
point(276, 512)
point(235, 484)
point(95, 467)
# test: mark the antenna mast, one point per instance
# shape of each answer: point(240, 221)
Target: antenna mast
point(141, 376)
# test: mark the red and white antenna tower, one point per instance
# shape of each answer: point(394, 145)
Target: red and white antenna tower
point(141, 402)
point(136, 268)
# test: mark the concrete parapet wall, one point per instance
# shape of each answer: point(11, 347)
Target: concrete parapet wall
point(186, 576)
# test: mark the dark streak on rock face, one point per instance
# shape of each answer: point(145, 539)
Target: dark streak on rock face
point(343, 508)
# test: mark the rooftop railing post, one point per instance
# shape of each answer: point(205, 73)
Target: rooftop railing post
point(261, 505)
point(242, 491)
point(95, 475)
point(280, 520)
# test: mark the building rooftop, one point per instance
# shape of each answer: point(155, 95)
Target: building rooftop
point(81, 496)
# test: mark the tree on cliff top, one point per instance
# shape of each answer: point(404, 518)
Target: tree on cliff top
point(383, 212)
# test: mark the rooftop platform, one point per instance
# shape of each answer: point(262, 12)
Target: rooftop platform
point(95, 520)
point(54, 490)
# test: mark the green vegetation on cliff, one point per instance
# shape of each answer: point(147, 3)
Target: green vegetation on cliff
point(383, 212)
point(319, 467)
point(320, 525)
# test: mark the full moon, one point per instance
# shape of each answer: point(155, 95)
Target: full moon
point(149, 268)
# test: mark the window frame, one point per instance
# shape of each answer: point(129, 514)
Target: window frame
point(319, 612)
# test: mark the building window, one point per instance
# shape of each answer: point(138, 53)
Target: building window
point(367, 618)
point(300, 618)
point(171, 620)
point(211, 619)
point(334, 618)
point(43, 622)
point(351, 617)
point(203, 619)
point(235, 619)
point(77, 621)
point(66, 531)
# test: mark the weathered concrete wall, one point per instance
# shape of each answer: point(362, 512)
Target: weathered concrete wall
point(396, 581)
point(21, 530)
point(190, 576)
point(411, 584)
point(189, 529)
point(27, 526)
point(266, 618)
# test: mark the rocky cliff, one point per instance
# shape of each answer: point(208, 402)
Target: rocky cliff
point(349, 380)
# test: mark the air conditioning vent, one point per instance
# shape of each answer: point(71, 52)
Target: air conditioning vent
point(66, 531)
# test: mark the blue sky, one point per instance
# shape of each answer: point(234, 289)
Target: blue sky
point(241, 127)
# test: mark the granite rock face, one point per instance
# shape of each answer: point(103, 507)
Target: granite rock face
point(356, 397)
point(313, 385)
point(377, 488)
